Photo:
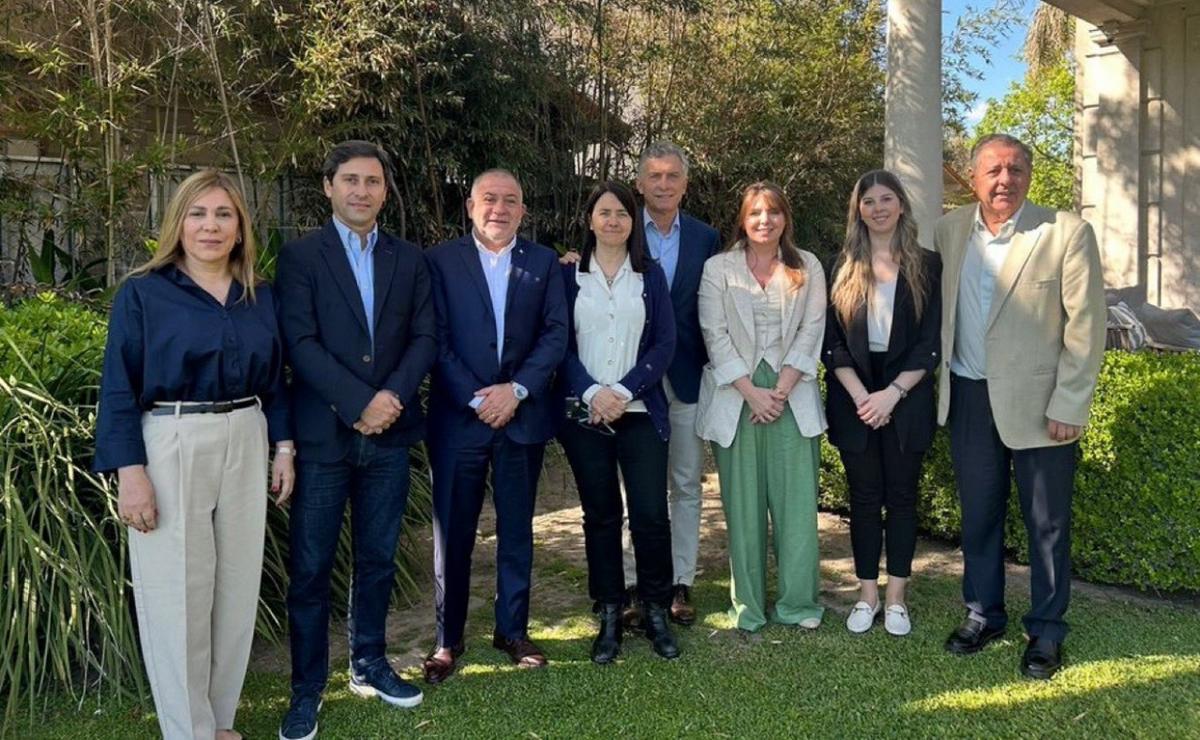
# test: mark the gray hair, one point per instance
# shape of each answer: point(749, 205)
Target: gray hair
point(660, 149)
point(495, 171)
point(1002, 139)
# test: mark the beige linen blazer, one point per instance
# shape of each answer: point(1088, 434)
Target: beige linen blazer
point(727, 321)
point(1045, 331)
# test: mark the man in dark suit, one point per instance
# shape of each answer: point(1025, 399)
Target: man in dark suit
point(502, 332)
point(358, 317)
point(680, 244)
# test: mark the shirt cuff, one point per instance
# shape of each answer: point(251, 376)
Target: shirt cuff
point(590, 393)
point(622, 391)
point(475, 402)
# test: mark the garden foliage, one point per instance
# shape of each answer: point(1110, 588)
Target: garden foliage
point(62, 547)
point(1137, 491)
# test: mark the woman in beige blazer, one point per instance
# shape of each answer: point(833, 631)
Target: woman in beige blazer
point(762, 312)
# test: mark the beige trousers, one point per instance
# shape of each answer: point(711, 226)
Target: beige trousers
point(196, 577)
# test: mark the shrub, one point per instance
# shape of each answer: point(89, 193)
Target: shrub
point(62, 546)
point(1137, 490)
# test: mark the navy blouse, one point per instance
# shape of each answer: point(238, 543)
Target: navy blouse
point(170, 340)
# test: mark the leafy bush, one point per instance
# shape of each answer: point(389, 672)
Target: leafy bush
point(62, 546)
point(1137, 490)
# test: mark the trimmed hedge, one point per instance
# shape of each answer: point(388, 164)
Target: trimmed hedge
point(1137, 490)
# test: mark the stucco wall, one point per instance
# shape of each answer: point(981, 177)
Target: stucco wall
point(1139, 150)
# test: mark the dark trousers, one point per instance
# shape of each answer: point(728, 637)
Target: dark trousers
point(882, 476)
point(375, 481)
point(641, 456)
point(1045, 479)
point(460, 476)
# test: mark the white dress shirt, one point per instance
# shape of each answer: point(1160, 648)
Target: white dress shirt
point(609, 320)
point(982, 261)
point(496, 266)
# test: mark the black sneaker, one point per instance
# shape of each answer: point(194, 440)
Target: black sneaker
point(379, 680)
point(300, 722)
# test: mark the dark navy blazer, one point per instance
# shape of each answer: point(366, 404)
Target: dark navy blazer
point(697, 242)
point(535, 327)
point(655, 349)
point(336, 372)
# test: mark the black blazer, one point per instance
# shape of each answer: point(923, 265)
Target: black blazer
point(913, 345)
point(335, 370)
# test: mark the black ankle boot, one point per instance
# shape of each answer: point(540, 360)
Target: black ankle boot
point(658, 630)
point(607, 645)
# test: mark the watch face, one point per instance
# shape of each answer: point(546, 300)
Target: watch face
point(520, 392)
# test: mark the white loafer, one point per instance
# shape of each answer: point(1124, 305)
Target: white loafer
point(896, 621)
point(862, 616)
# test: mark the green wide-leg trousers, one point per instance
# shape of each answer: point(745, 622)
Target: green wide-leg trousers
point(771, 469)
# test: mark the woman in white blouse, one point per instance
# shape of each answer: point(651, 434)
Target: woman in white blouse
point(762, 311)
point(622, 338)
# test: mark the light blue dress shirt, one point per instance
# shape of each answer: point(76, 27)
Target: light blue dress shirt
point(362, 264)
point(664, 248)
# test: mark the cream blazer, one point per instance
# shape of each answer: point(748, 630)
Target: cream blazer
point(1045, 331)
point(726, 308)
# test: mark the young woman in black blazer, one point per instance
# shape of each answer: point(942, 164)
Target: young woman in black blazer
point(882, 343)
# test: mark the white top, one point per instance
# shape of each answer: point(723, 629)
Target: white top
point(608, 327)
point(769, 304)
point(879, 315)
point(982, 261)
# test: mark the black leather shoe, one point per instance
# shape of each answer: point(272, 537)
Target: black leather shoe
point(658, 631)
point(971, 637)
point(1042, 658)
point(607, 645)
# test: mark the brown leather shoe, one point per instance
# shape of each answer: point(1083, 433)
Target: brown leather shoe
point(439, 668)
point(523, 651)
point(682, 611)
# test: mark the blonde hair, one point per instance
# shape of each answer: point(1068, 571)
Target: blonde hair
point(853, 278)
point(789, 253)
point(170, 235)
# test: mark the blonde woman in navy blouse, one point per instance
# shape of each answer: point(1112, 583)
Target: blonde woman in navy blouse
point(621, 341)
point(191, 395)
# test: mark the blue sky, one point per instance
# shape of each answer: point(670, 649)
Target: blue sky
point(1006, 66)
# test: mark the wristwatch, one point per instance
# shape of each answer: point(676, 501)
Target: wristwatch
point(520, 391)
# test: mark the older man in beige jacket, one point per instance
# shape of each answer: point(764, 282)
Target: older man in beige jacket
point(1022, 341)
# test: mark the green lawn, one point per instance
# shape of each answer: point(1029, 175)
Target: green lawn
point(1133, 671)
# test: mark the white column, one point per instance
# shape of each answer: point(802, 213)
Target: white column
point(912, 138)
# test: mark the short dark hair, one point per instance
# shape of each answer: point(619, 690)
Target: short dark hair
point(353, 149)
point(637, 237)
point(1002, 139)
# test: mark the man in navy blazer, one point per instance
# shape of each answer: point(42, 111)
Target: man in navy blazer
point(502, 332)
point(358, 317)
point(681, 244)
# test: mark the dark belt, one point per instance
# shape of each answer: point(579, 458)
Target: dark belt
point(213, 407)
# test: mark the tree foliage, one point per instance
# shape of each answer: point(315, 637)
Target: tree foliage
point(564, 92)
point(1040, 110)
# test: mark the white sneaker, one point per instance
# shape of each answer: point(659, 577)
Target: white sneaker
point(862, 616)
point(811, 623)
point(895, 620)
